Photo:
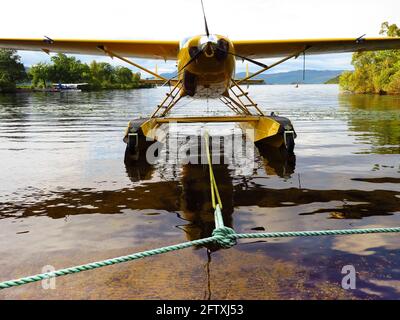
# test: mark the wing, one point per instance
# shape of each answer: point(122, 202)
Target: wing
point(257, 49)
point(167, 50)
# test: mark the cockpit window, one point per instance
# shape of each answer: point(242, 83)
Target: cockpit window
point(184, 41)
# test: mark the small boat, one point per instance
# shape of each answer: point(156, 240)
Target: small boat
point(60, 87)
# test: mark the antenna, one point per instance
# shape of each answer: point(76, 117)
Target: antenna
point(48, 40)
point(361, 39)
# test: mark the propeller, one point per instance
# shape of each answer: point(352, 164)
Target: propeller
point(260, 64)
point(192, 59)
point(219, 47)
point(197, 54)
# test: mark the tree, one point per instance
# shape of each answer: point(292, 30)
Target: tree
point(123, 75)
point(101, 74)
point(11, 70)
point(68, 69)
point(136, 78)
point(391, 30)
point(65, 69)
point(40, 74)
point(375, 72)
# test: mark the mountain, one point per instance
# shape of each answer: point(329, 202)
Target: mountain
point(312, 76)
point(168, 75)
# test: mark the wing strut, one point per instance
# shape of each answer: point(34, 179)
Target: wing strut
point(113, 54)
point(294, 55)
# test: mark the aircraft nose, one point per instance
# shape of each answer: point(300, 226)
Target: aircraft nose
point(209, 50)
point(213, 47)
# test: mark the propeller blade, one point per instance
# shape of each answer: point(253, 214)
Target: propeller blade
point(205, 19)
point(260, 64)
point(191, 60)
point(184, 67)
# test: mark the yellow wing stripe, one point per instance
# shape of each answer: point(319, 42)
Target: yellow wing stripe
point(168, 50)
point(150, 49)
point(278, 48)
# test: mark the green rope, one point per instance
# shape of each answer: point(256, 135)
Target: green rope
point(109, 262)
point(312, 233)
point(221, 233)
point(224, 236)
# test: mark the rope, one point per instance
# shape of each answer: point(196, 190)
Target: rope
point(289, 234)
point(213, 183)
point(221, 233)
point(103, 263)
point(224, 236)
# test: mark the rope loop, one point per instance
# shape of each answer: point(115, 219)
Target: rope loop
point(223, 237)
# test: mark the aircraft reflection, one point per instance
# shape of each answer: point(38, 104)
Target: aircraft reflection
point(196, 204)
point(195, 199)
point(188, 195)
point(137, 166)
point(277, 161)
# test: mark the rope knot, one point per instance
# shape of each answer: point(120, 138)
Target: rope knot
point(223, 236)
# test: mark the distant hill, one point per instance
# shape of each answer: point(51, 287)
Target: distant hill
point(167, 75)
point(312, 76)
point(291, 77)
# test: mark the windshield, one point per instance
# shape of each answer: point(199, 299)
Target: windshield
point(183, 41)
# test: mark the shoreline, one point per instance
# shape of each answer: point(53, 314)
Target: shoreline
point(52, 90)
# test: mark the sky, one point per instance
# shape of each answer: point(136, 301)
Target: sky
point(176, 19)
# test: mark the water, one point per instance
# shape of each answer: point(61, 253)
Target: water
point(67, 198)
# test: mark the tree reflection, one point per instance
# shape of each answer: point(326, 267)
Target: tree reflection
point(375, 119)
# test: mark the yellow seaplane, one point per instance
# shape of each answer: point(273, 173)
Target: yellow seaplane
point(206, 69)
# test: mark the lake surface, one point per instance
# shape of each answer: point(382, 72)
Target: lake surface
point(67, 198)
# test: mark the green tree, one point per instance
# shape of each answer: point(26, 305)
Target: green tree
point(375, 72)
point(391, 30)
point(123, 75)
point(40, 74)
point(64, 69)
point(11, 70)
point(136, 78)
point(101, 75)
point(68, 69)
